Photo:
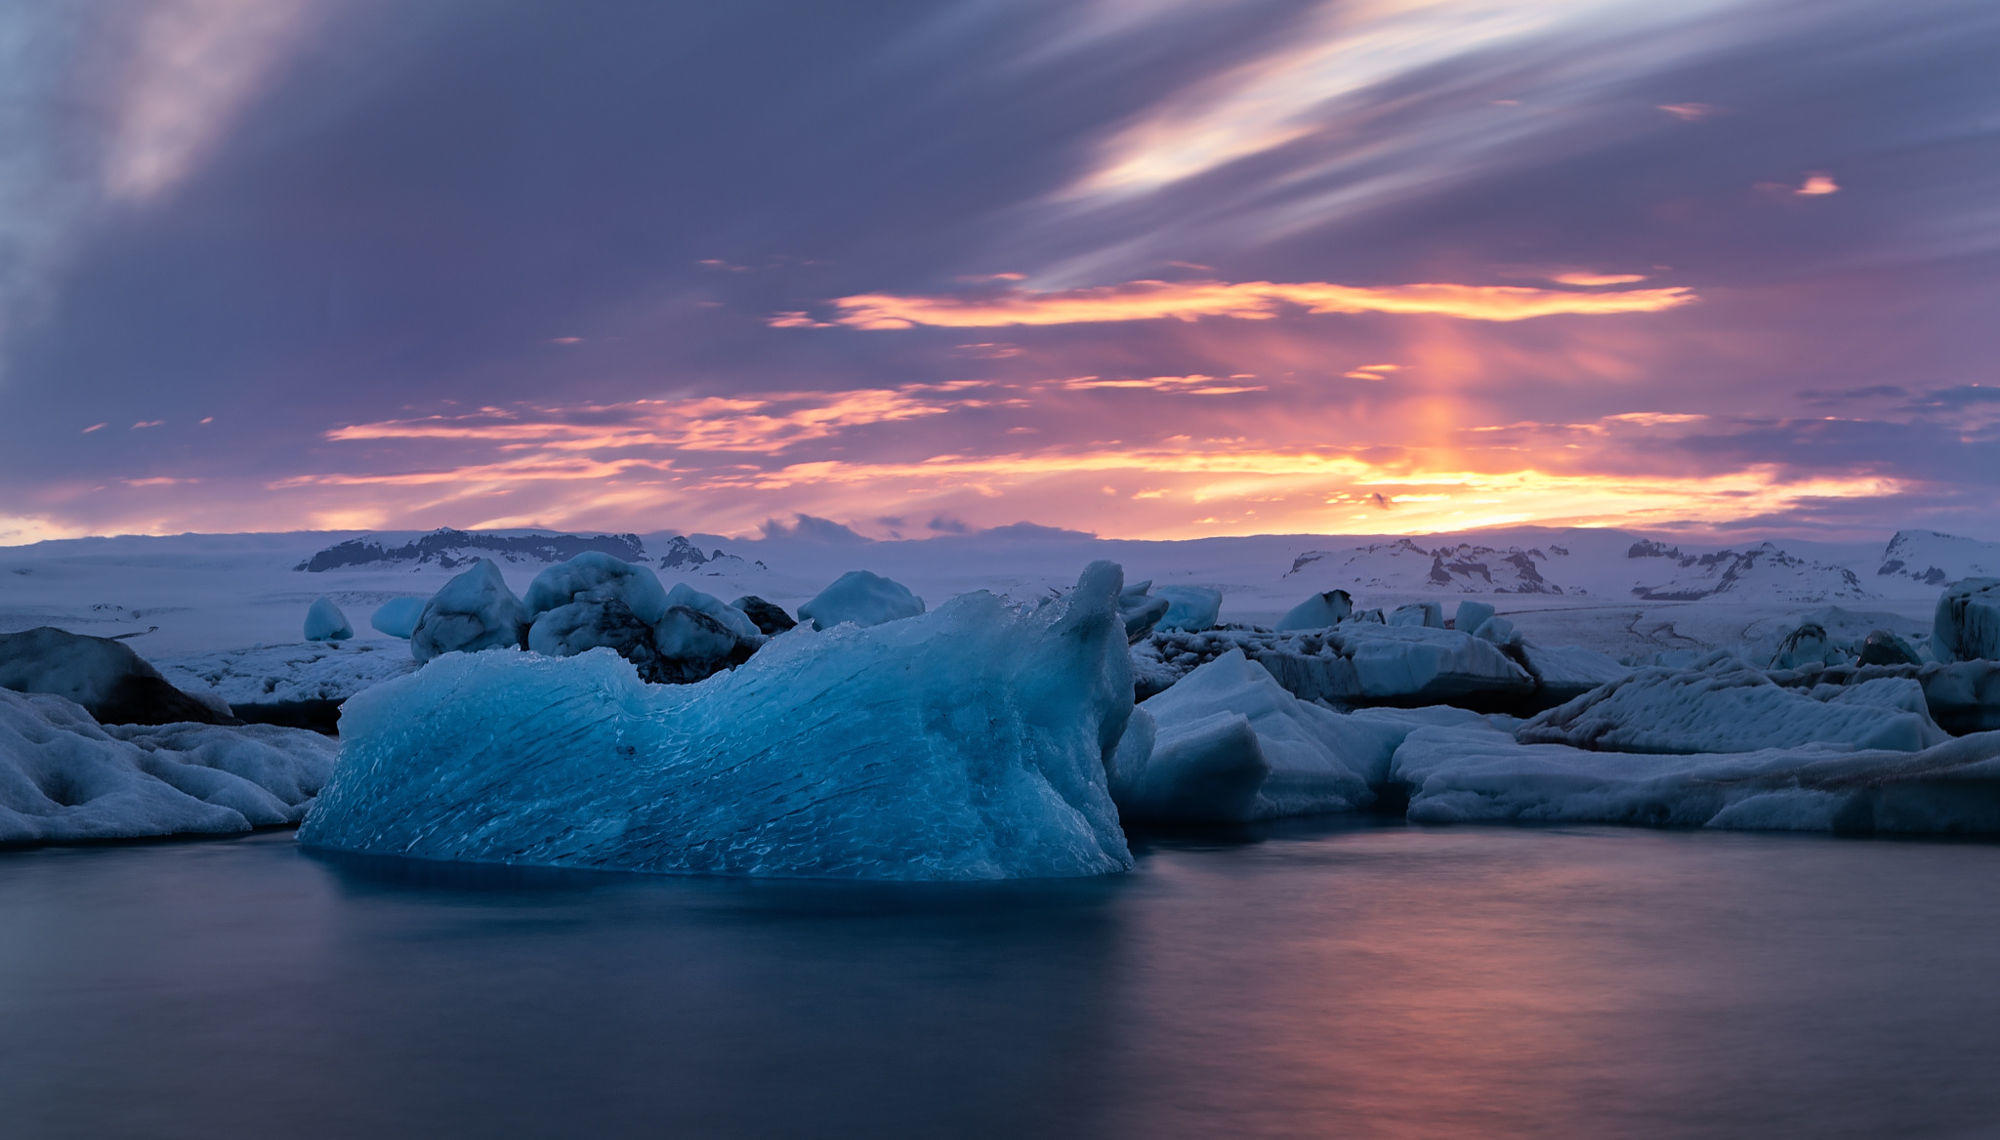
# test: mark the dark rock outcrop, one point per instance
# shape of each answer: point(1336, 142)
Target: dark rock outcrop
point(106, 677)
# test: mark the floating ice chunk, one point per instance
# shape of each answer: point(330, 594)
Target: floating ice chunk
point(1319, 611)
point(1884, 647)
point(576, 627)
point(325, 622)
point(398, 617)
point(969, 743)
point(1967, 623)
point(1468, 774)
point(1413, 664)
point(1470, 615)
point(1427, 614)
point(770, 617)
point(1208, 770)
point(863, 599)
point(1963, 696)
point(1724, 705)
point(1230, 744)
point(1140, 610)
point(114, 684)
point(1190, 608)
point(1499, 631)
point(693, 645)
point(727, 616)
point(64, 777)
point(1353, 663)
point(474, 611)
point(595, 576)
point(1805, 646)
point(1565, 672)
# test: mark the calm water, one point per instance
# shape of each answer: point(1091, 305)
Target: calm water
point(1386, 981)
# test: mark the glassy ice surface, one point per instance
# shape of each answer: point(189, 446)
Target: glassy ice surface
point(1392, 980)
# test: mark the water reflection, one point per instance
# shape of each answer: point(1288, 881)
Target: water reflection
point(1297, 980)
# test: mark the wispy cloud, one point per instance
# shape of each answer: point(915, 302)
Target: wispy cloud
point(198, 63)
point(754, 422)
point(1690, 112)
point(1335, 53)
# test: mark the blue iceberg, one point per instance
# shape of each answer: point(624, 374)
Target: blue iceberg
point(968, 743)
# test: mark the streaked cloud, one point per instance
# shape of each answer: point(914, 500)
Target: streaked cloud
point(1162, 267)
point(1594, 280)
point(1245, 300)
point(1336, 53)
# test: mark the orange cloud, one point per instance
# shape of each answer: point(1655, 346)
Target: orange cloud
point(795, 320)
point(1592, 280)
point(1246, 300)
point(1818, 185)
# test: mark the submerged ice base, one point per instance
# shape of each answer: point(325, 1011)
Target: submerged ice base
point(968, 743)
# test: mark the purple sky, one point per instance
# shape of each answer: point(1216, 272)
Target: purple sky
point(1149, 269)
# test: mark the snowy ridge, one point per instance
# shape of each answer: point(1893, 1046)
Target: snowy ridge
point(1760, 573)
point(1938, 559)
point(1461, 569)
point(447, 548)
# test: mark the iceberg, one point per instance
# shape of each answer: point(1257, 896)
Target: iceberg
point(1319, 611)
point(692, 645)
point(1354, 663)
point(1885, 647)
point(861, 598)
point(1422, 665)
point(1190, 608)
point(398, 617)
point(577, 627)
point(1470, 615)
point(1468, 774)
point(737, 622)
point(597, 577)
point(968, 743)
point(1967, 623)
point(1141, 610)
point(1229, 745)
point(1724, 705)
point(1429, 615)
point(770, 617)
point(64, 777)
point(474, 611)
point(1563, 673)
point(325, 622)
point(1806, 647)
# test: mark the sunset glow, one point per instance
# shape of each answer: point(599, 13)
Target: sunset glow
point(1141, 269)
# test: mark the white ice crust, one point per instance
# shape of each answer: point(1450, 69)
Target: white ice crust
point(64, 777)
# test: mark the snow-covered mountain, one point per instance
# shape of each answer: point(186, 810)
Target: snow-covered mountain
point(447, 548)
point(1461, 569)
point(1761, 573)
point(1936, 559)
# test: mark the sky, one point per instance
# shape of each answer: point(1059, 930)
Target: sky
point(1144, 268)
